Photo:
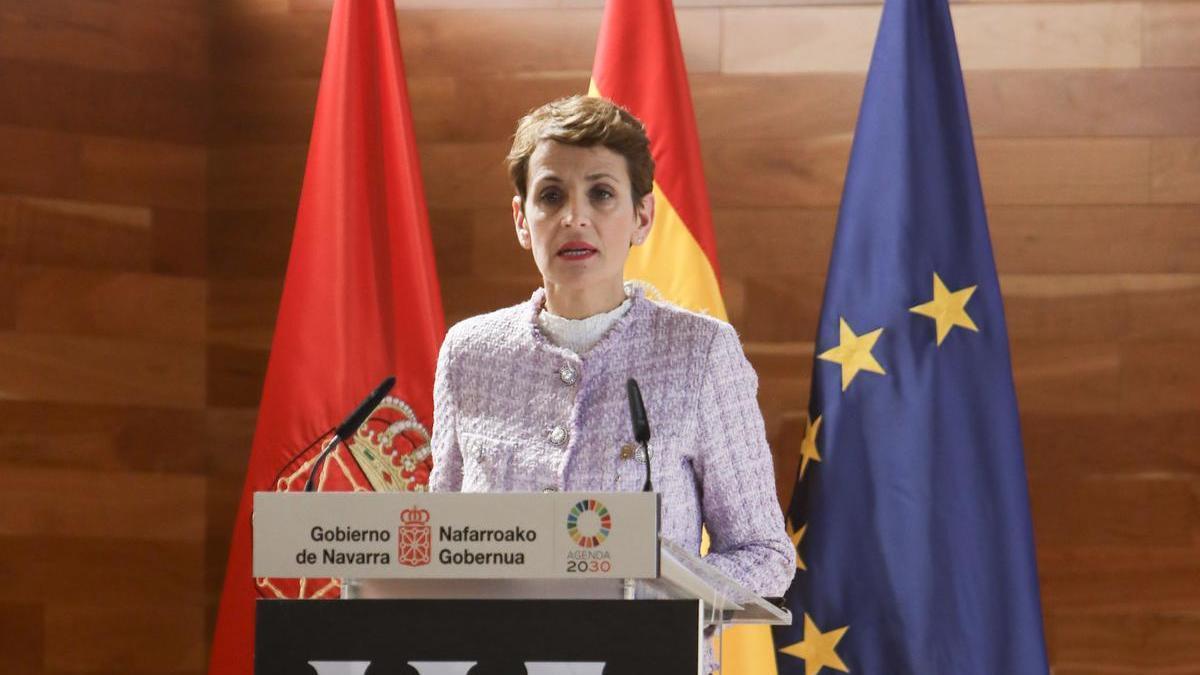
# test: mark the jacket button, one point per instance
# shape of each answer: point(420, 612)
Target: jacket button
point(558, 436)
point(628, 450)
point(568, 374)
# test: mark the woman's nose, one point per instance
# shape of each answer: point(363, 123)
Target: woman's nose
point(575, 214)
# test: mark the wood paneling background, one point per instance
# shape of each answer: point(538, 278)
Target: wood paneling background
point(105, 435)
point(150, 161)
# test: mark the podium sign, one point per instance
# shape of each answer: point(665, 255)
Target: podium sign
point(415, 535)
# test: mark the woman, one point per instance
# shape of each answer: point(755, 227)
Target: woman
point(532, 397)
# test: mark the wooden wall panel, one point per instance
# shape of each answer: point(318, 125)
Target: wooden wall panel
point(141, 172)
point(1067, 377)
point(1123, 642)
point(801, 240)
point(250, 243)
point(1067, 170)
point(123, 304)
point(469, 175)
point(990, 37)
point(76, 235)
point(1170, 34)
point(445, 42)
point(236, 306)
point(800, 172)
point(1003, 103)
point(101, 370)
point(1074, 239)
point(235, 374)
point(1160, 376)
point(48, 569)
point(257, 177)
point(1175, 171)
point(1100, 307)
point(809, 172)
point(819, 39)
point(1116, 512)
point(489, 105)
point(1153, 578)
point(22, 637)
point(151, 105)
point(1087, 103)
point(111, 639)
point(133, 36)
point(167, 508)
point(104, 439)
point(1097, 443)
point(178, 239)
point(1023, 36)
point(102, 169)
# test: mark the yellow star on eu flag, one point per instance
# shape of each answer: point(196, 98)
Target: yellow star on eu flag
point(854, 353)
point(808, 446)
point(797, 536)
point(818, 649)
point(948, 309)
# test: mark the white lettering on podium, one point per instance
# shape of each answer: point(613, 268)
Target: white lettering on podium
point(460, 667)
point(340, 667)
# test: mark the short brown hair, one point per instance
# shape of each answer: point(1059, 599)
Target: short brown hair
point(583, 121)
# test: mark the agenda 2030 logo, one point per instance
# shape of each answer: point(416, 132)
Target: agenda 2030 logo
point(589, 523)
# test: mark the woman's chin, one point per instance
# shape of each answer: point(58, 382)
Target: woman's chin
point(577, 277)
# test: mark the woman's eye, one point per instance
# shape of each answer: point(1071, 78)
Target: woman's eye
point(602, 193)
point(551, 196)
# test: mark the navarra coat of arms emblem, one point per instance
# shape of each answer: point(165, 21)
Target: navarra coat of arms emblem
point(415, 538)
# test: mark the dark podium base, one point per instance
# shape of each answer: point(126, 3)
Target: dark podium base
point(499, 636)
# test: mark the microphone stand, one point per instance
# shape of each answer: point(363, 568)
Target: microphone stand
point(350, 425)
point(310, 484)
point(641, 433)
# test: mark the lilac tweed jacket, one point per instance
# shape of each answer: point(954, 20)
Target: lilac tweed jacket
point(515, 413)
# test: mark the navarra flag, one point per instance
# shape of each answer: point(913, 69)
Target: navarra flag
point(911, 512)
point(360, 302)
point(639, 66)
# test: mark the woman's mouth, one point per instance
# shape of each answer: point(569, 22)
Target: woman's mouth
point(576, 250)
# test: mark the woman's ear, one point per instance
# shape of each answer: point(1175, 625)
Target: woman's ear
point(519, 222)
point(643, 213)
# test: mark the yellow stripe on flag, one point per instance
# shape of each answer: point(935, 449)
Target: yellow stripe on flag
point(672, 262)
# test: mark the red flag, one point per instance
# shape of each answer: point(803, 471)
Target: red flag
point(360, 302)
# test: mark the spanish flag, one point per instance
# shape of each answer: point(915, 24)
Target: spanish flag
point(639, 65)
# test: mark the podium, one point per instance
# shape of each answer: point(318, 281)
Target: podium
point(487, 584)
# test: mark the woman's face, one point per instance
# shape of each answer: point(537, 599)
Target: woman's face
point(579, 217)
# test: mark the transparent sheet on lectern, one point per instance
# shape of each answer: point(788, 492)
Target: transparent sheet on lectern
point(682, 575)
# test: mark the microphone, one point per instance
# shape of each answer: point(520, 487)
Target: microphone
point(641, 426)
point(350, 425)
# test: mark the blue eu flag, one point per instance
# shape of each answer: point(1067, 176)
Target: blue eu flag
point(911, 512)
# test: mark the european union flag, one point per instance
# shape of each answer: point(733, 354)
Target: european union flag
point(911, 512)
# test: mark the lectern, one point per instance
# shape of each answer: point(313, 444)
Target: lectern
point(483, 584)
